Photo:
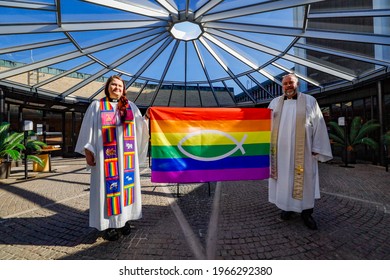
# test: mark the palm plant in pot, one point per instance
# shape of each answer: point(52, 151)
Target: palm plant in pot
point(358, 135)
point(12, 148)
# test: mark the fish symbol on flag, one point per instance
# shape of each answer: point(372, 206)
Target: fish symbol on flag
point(211, 131)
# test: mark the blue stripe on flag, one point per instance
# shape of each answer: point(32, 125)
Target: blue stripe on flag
point(180, 164)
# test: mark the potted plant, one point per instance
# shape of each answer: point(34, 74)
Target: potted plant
point(357, 135)
point(12, 147)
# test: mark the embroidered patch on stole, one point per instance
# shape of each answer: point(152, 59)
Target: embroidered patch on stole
point(110, 149)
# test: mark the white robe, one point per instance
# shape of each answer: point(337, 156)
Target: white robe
point(317, 141)
point(90, 137)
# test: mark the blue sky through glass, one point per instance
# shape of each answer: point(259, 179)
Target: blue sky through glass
point(76, 11)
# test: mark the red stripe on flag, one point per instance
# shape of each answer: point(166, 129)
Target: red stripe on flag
point(172, 113)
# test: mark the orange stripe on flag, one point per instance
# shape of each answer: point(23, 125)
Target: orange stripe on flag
point(173, 126)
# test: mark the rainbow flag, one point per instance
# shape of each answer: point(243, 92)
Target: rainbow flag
point(209, 144)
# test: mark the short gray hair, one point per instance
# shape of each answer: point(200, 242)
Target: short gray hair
point(291, 75)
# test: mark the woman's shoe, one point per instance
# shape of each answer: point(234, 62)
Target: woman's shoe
point(111, 234)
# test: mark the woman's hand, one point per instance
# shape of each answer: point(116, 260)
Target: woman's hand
point(147, 113)
point(90, 158)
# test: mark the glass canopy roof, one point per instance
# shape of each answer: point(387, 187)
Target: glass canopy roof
point(189, 53)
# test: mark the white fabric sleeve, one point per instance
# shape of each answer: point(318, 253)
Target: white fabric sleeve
point(142, 133)
point(85, 139)
point(321, 142)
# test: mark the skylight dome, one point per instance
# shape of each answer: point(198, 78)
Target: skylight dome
point(190, 53)
point(186, 31)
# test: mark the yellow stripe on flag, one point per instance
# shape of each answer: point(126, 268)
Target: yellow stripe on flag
point(207, 139)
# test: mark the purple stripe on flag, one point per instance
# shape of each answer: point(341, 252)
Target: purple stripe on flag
point(192, 176)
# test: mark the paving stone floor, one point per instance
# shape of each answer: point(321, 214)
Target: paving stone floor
point(46, 218)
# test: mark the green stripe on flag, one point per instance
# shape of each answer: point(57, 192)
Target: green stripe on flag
point(209, 151)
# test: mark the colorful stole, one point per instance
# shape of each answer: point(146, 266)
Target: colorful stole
point(299, 157)
point(111, 169)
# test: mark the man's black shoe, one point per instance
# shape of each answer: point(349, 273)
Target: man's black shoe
point(126, 229)
point(309, 222)
point(111, 234)
point(286, 215)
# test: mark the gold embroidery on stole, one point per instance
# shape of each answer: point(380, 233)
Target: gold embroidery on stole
point(299, 156)
point(299, 147)
point(274, 138)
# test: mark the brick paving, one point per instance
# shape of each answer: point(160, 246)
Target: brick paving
point(46, 218)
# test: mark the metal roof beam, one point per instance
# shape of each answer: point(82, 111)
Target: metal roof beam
point(199, 95)
point(54, 78)
point(297, 32)
point(260, 86)
point(304, 78)
point(34, 46)
point(201, 60)
point(116, 63)
point(76, 54)
point(140, 90)
point(239, 56)
point(229, 92)
point(282, 55)
point(170, 95)
point(225, 67)
point(205, 8)
point(169, 5)
point(141, 7)
point(170, 59)
point(72, 27)
point(187, 8)
point(257, 8)
point(354, 13)
point(150, 61)
point(27, 5)
point(343, 54)
point(58, 12)
point(40, 64)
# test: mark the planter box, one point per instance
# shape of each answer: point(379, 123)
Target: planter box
point(45, 167)
point(5, 169)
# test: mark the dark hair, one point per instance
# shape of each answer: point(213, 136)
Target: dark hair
point(122, 103)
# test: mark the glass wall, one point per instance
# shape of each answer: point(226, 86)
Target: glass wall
point(55, 126)
point(13, 117)
point(386, 110)
point(73, 122)
point(368, 109)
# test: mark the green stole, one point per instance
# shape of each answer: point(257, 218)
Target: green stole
point(299, 158)
point(110, 150)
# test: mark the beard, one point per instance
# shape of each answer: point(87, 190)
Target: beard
point(290, 92)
